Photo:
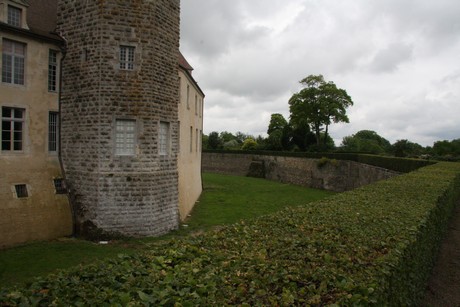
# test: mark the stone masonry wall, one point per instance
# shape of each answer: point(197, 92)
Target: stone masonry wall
point(132, 195)
point(335, 175)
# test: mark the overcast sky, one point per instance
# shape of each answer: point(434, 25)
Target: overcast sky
point(399, 60)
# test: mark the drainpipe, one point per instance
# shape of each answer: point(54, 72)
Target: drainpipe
point(72, 209)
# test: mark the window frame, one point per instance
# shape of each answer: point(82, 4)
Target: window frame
point(21, 191)
point(53, 132)
point(121, 136)
point(196, 140)
point(127, 56)
point(14, 20)
point(188, 97)
point(164, 138)
point(12, 119)
point(53, 70)
point(14, 69)
point(60, 186)
point(196, 104)
point(191, 139)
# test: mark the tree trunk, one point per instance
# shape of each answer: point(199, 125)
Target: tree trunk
point(325, 135)
point(318, 135)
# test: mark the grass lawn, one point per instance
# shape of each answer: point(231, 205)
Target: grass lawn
point(229, 199)
point(225, 200)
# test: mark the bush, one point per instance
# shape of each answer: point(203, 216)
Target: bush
point(371, 246)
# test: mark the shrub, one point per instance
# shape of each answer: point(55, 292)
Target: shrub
point(371, 246)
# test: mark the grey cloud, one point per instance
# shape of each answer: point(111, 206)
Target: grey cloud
point(397, 59)
point(389, 58)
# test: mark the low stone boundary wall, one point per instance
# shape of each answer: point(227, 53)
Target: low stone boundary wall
point(333, 175)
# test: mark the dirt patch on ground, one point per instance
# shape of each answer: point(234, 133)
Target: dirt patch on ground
point(443, 288)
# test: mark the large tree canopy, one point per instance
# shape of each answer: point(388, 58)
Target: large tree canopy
point(278, 132)
point(366, 141)
point(318, 105)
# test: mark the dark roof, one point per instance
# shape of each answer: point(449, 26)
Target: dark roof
point(41, 19)
point(184, 64)
point(42, 16)
point(187, 68)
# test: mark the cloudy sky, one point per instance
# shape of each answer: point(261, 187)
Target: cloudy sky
point(399, 60)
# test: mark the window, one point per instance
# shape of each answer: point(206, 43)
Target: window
point(180, 89)
point(188, 96)
point(127, 57)
point(191, 138)
point(201, 140)
point(196, 105)
point(14, 16)
point(59, 186)
point(53, 129)
point(13, 54)
point(201, 107)
point(85, 55)
point(196, 140)
point(12, 129)
point(52, 71)
point(178, 133)
point(21, 190)
point(125, 137)
point(164, 139)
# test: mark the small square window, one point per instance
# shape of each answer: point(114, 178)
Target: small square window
point(14, 16)
point(127, 57)
point(21, 191)
point(60, 186)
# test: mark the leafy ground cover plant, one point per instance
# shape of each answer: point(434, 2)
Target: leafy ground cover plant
point(371, 246)
point(226, 200)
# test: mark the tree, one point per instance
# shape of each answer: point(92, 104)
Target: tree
point(278, 132)
point(241, 137)
point(366, 141)
point(226, 136)
point(319, 104)
point(447, 148)
point(205, 141)
point(405, 148)
point(231, 145)
point(214, 140)
point(302, 137)
point(249, 144)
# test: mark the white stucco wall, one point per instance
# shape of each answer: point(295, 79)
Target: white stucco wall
point(191, 130)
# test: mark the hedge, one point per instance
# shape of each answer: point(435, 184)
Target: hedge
point(375, 245)
point(402, 165)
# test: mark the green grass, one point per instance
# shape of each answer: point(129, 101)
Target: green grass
point(225, 200)
point(20, 264)
point(229, 199)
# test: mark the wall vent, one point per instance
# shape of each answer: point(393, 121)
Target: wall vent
point(60, 186)
point(21, 191)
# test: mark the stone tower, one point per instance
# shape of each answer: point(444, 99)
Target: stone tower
point(119, 114)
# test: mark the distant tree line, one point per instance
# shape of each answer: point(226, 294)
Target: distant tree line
point(312, 110)
point(286, 138)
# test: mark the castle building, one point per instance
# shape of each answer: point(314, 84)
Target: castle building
point(191, 131)
point(92, 92)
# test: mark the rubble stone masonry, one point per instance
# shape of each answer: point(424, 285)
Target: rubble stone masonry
point(338, 176)
point(134, 194)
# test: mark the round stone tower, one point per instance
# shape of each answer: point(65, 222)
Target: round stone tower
point(119, 114)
